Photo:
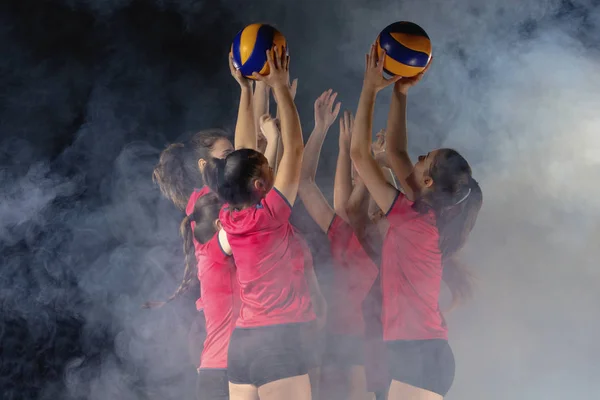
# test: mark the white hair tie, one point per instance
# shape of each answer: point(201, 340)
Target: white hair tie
point(464, 198)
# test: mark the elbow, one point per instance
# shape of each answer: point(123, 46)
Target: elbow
point(355, 154)
point(306, 179)
point(396, 153)
point(296, 149)
point(351, 209)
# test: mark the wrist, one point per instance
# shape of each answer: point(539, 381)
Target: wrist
point(279, 87)
point(369, 91)
point(320, 126)
point(401, 92)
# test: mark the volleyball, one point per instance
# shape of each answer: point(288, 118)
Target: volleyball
point(250, 47)
point(407, 47)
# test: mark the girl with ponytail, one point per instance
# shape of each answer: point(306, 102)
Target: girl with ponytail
point(428, 225)
point(270, 350)
point(206, 262)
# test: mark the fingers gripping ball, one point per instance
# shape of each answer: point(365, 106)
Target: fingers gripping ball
point(407, 47)
point(250, 46)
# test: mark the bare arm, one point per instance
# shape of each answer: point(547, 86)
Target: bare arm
point(245, 128)
point(358, 204)
point(279, 153)
point(288, 175)
point(357, 207)
point(316, 204)
point(261, 102)
point(397, 141)
point(269, 129)
point(360, 148)
point(224, 242)
point(293, 89)
point(343, 172)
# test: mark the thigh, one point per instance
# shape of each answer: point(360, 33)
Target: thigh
point(293, 388)
point(404, 391)
point(212, 384)
point(242, 392)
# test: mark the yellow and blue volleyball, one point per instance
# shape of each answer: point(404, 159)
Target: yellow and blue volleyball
point(407, 47)
point(250, 47)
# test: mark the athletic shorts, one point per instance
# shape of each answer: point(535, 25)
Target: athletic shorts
point(212, 384)
point(426, 364)
point(344, 350)
point(258, 356)
point(316, 340)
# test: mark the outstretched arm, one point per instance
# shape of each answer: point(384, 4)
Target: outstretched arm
point(245, 128)
point(260, 102)
point(293, 89)
point(397, 141)
point(343, 171)
point(358, 204)
point(316, 204)
point(288, 175)
point(360, 148)
point(269, 129)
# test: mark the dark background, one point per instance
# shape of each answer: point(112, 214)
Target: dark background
point(92, 91)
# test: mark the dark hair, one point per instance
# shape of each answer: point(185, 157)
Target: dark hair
point(456, 199)
point(233, 177)
point(177, 172)
point(206, 211)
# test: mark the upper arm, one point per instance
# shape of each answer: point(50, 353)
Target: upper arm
point(402, 167)
point(224, 243)
point(288, 174)
point(381, 191)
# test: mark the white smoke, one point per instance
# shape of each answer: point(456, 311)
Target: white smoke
point(514, 86)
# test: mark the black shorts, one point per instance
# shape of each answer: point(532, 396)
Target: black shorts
point(266, 354)
point(212, 384)
point(316, 342)
point(426, 364)
point(344, 350)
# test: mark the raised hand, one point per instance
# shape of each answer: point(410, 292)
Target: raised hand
point(279, 69)
point(269, 128)
point(237, 74)
point(378, 145)
point(325, 111)
point(404, 84)
point(378, 148)
point(374, 78)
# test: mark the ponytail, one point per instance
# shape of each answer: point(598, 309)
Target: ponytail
point(456, 199)
point(214, 174)
point(206, 211)
point(233, 177)
point(175, 177)
point(177, 172)
point(191, 269)
point(455, 225)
